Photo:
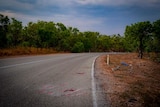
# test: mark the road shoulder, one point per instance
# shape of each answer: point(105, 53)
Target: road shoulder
point(129, 81)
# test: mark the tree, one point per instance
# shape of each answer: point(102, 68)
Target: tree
point(61, 27)
point(75, 31)
point(78, 47)
point(15, 30)
point(87, 44)
point(4, 23)
point(32, 34)
point(156, 33)
point(117, 43)
point(140, 32)
point(92, 37)
point(104, 43)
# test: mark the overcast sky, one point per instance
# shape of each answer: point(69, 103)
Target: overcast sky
point(104, 16)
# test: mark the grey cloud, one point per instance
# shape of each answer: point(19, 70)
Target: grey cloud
point(120, 2)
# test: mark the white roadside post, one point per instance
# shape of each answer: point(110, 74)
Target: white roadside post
point(107, 59)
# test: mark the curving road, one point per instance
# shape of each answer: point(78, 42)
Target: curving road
point(61, 80)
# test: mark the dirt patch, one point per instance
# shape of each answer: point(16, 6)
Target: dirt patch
point(129, 81)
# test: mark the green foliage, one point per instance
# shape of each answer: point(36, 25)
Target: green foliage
point(78, 47)
point(41, 34)
point(139, 32)
point(15, 32)
point(93, 37)
point(4, 23)
point(156, 35)
point(117, 43)
point(104, 43)
point(156, 29)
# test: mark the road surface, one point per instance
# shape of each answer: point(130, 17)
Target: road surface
point(61, 80)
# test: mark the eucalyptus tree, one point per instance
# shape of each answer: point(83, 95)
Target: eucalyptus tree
point(104, 43)
point(4, 23)
point(15, 31)
point(156, 34)
point(139, 32)
point(32, 34)
point(92, 37)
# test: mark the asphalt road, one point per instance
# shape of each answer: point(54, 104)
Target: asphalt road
point(61, 80)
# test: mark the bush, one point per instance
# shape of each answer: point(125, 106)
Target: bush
point(78, 47)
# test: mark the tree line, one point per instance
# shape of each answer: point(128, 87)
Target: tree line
point(42, 34)
point(141, 36)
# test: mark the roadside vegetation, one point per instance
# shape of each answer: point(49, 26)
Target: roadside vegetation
point(50, 37)
point(129, 81)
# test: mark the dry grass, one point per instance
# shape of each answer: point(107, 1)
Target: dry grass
point(136, 85)
point(25, 51)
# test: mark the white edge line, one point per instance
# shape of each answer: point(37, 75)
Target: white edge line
point(94, 97)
